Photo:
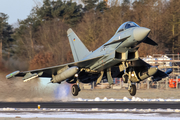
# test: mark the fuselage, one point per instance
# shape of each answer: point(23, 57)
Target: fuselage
point(125, 37)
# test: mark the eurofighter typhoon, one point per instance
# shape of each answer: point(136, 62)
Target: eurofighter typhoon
point(117, 58)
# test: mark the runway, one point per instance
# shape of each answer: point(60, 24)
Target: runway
point(99, 104)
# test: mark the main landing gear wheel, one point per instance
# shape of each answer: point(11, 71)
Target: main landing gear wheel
point(125, 78)
point(75, 90)
point(132, 90)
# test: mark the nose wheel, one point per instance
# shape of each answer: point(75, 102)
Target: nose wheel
point(131, 86)
point(127, 78)
point(132, 90)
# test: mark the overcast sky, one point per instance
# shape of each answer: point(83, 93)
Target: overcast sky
point(20, 9)
point(16, 9)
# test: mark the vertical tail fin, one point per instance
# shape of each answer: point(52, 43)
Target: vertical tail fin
point(78, 49)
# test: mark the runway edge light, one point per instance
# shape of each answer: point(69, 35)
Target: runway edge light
point(39, 106)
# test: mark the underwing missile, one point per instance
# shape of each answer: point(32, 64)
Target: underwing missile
point(70, 72)
point(29, 76)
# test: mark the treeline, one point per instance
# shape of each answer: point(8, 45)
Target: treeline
point(41, 39)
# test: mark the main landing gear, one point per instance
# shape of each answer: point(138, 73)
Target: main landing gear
point(132, 90)
point(75, 90)
point(125, 78)
point(75, 87)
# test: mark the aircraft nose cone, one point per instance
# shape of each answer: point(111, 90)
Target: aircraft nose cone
point(140, 33)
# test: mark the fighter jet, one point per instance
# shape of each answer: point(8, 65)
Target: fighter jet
point(117, 58)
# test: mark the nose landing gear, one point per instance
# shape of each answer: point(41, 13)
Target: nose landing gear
point(131, 86)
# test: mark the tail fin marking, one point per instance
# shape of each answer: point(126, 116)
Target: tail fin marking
point(78, 49)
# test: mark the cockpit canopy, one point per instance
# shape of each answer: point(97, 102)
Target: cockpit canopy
point(126, 25)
